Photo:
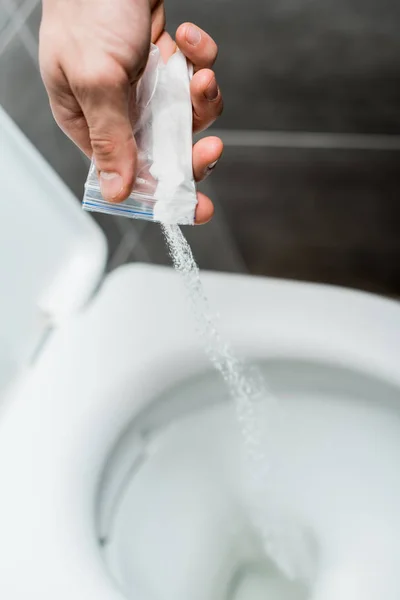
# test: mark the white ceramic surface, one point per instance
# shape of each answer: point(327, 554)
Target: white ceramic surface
point(101, 366)
point(52, 255)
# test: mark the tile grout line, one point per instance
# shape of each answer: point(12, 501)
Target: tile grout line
point(18, 16)
point(131, 236)
point(127, 246)
point(306, 139)
point(30, 43)
point(121, 253)
point(225, 229)
point(136, 234)
point(27, 37)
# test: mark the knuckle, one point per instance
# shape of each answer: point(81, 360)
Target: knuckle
point(99, 78)
point(102, 147)
point(111, 79)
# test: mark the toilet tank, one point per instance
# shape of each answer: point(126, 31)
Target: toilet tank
point(52, 254)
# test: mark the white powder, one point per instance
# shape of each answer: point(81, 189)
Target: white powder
point(258, 413)
point(172, 144)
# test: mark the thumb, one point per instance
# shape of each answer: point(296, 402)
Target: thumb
point(106, 110)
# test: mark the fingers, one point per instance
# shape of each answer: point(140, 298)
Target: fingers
point(206, 154)
point(197, 46)
point(202, 51)
point(206, 99)
point(204, 209)
point(157, 19)
point(105, 106)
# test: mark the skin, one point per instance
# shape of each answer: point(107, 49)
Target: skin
point(92, 54)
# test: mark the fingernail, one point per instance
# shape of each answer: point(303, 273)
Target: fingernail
point(211, 92)
point(111, 185)
point(210, 168)
point(193, 35)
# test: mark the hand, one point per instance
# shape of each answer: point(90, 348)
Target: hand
point(92, 54)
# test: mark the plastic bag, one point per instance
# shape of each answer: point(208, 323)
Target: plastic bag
point(164, 190)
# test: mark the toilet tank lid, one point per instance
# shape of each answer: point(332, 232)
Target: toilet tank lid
point(52, 254)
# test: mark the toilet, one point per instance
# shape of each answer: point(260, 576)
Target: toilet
point(121, 468)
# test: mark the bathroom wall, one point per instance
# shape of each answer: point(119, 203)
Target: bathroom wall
point(308, 187)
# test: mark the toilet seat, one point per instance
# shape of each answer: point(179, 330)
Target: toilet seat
point(72, 390)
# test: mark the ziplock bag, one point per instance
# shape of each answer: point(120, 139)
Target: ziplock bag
point(164, 189)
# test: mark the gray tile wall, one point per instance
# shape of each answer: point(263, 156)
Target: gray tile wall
point(318, 65)
point(325, 208)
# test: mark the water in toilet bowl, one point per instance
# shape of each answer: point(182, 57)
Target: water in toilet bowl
point(184, 526)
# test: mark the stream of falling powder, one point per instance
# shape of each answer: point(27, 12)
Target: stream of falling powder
point(283, 544)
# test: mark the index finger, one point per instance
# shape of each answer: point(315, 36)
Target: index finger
point(197, 46)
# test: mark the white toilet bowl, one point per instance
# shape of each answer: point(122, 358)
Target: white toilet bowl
point(120, 463)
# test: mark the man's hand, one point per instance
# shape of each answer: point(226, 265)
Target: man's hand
point(92, 54)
